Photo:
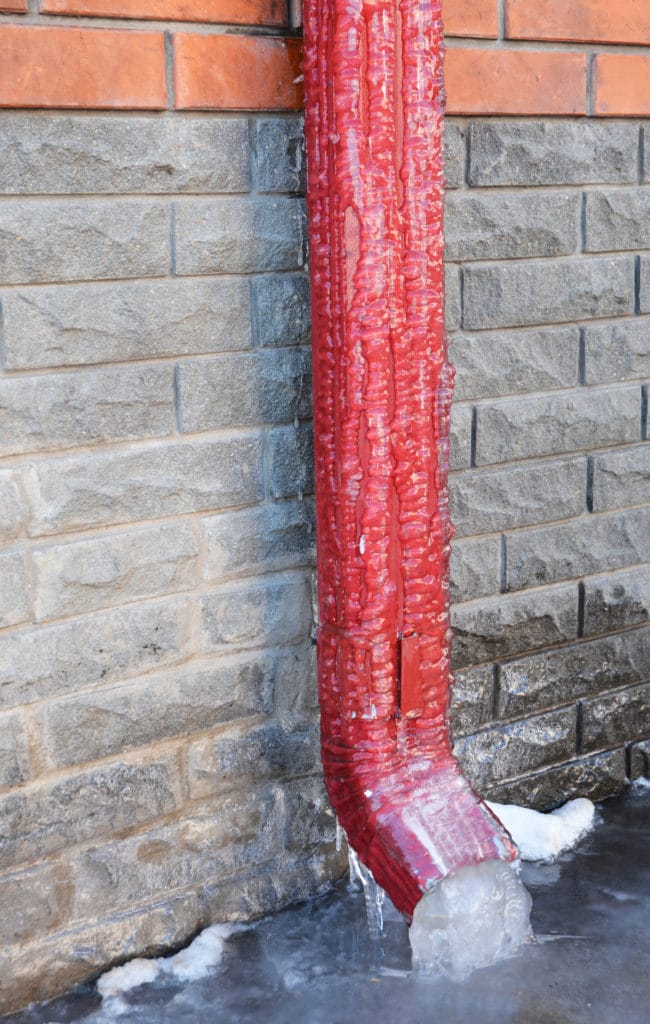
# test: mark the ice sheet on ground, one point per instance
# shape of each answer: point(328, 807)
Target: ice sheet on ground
point(315, 963)
point(190, 964)
point(543, 837)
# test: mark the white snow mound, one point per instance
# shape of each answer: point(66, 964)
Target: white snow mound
point(128, 976)
point(543, 837)
point(189, 964)
point(201, 956)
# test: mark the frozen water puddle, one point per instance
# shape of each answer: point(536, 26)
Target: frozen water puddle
point(471, 919)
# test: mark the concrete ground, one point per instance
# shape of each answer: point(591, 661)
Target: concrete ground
point(315, 964)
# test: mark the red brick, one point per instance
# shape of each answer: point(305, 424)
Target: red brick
point(596, 21)
point(475, 18)
point(233, 12)
point(13, 6)
point(622, 85)
point(88, 68)
point(237, 72)
point(494, 81)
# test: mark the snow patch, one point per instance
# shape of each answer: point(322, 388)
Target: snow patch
point(128, 976)
point(190, 964)
point(201, 956)
point(543, 837)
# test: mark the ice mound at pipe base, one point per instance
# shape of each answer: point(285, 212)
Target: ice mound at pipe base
point(481, 913)
point(470, 919)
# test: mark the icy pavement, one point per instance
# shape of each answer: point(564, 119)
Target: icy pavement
point(316, 964)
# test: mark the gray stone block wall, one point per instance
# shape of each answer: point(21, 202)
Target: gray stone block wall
point(159, 757)
point(159, 762)
point(547, 232)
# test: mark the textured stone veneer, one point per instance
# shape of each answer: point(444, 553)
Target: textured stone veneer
point(158, 729)
point(548, 302)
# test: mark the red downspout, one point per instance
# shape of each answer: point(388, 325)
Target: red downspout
point(382, 394)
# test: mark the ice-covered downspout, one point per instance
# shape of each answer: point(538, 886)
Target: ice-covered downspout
point(382, 394)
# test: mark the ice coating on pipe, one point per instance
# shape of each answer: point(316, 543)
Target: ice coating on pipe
point(382, 396)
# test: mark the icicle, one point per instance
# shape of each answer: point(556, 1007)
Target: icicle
point(373, 893)
point(340, 834)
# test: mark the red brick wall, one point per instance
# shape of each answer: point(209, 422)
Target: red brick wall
point(140, 56)
point(548, 57)
point(519, 57)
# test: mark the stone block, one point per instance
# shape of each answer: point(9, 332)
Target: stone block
point(546, 292)
point(471, 700)
point(595, 778)
point(617, 219)
point(73, 154)
point(48, 661)
point(241, 757)
point(454, 154)
point(210, 840)
point(475, 568)
point(453, 304)
point(493, 364)
point(14, 511)
point(279, 154)
point(239, 236)
point(504, 751)
point(460, 436)
point(79, 953)
point(281, 311)
point(272, 886)
point(35, 901)
point(45, 817)
point(525, 428)
point(145, 482)
point(499, 627)
point(291, 461)
point(184, 701)
point(511, 225)
point(273, 610)
point(14, 589)
point(644, 284)
point(53, 240)
point(621, 478)
point(310, 823)
point(51, 411)
point(269, 386)
point(618, 599)
point(296, 685)
point(540, 681)
point(113, 569)
point(552, 152)
point(484, 501)
point(617, 351)
point(14, 758)
point(640, 760)
point(97, 323)
point(258, 540)
point(616, 718)
point(569, 550)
